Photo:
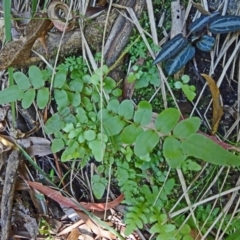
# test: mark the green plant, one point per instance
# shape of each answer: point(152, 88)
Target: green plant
point(179, 50)
point(45, 229)
point(189, 90)
point(90, 122)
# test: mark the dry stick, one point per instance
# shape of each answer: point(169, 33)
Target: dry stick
point(225, 6)
point(235, 124)
point(103, 92)
point(152, 22)
point(205, 4)
point(8, 193)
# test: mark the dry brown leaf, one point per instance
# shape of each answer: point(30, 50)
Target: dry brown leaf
point(217, 108)
point(74, 234)
point(8, 142)
point(57, 196)
point(27, 142)
point(200, 8)
point(69, 228)
point(96, 229)
point(39, 150)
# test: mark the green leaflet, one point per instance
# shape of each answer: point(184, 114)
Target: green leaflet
point(57, 145)
point(173, 152)
point(76, 85)
point(113, 125)
point(89, 135)
point(130, 133)
point(167, 120)
point(206, 43)
point(145, 143)
point(22, 80)
point(28, 98)
point(109, 85)
point(143, 115)
point(126, 109)
point(42, 97)
point(11, 94)
point(175, 63)
point(61, 98)
point(98, 149)
point(99, 185)
point(59, 79)
point(54, 124)
point(225, 24)
point(36, 77)
point(74, 98)
point(171, 48)
point(113, 105)
point(201, 147)
point(187, 127)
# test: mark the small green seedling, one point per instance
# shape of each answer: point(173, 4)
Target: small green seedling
point(189, 90)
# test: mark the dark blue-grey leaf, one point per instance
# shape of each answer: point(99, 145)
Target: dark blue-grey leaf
point(225, 24)
point(177, 62)
point(206, 43)
point(201, 22)
point(171, 48)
